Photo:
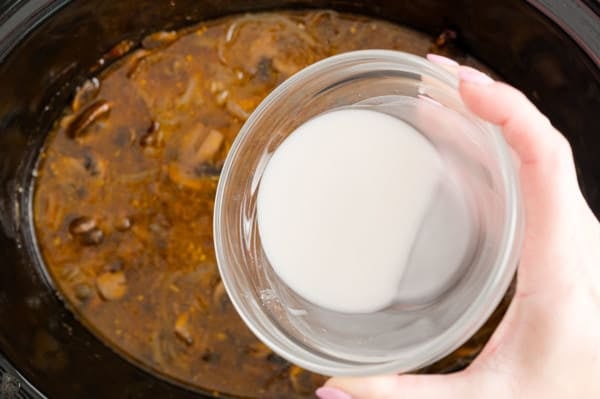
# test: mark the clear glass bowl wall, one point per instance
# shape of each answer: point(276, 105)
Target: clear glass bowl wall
point(398, 338)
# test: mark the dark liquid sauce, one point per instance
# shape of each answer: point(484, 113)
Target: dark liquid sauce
point(125, 191)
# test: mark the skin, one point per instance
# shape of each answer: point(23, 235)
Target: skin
point(548, 345)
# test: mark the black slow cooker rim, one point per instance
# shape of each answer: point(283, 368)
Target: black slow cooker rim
point(14, 20)
point(12, 381)
point(583, 26)
point(579, 20)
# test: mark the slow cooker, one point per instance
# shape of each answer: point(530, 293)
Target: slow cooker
point(550, 49)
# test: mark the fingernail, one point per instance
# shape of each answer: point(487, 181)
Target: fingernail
point(331, 393)
point(439, 59)
point(472, 75)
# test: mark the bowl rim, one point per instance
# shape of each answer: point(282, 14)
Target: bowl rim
point(486, 300)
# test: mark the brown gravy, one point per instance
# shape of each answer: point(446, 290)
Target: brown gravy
point(125, 190)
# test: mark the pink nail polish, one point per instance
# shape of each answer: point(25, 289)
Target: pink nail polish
point(331, 393)
point(472, 75)
point(438, 59)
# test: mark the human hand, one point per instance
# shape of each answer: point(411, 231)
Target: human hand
point(548, 344)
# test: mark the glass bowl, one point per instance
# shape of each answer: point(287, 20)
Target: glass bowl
point(411, 333)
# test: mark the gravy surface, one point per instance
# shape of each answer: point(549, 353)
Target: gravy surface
point(126, 183)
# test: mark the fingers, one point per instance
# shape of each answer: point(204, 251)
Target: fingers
point(525, 128)
point(454, 386)
point(549, 181)
point(549, 187)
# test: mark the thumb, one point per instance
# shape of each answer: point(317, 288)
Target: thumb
point(462, 385)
